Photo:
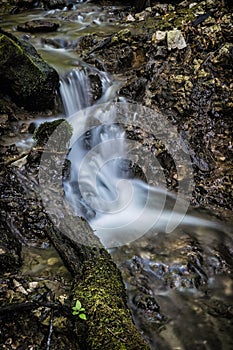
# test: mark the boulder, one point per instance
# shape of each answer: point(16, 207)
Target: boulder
point(37, 26)
point(26, 4)
point(24, 75)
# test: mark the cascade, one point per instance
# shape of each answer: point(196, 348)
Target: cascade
point(102, 187)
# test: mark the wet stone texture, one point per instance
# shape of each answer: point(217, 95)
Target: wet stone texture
point(188, 77)
point(175, 280)
point(35, 286)
point(25, 76)
point(38, 26)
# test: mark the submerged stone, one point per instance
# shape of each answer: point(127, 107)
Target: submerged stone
point(38, 26)
point(24, 75)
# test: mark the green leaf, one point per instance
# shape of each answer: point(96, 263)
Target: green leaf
point(78, 305)
point(83, 316)
point(75, 312)
point(82, 309)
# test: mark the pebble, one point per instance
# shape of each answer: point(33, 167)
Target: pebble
point(175, 40)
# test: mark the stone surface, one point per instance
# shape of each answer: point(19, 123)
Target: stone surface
point(24, 75)
point(175, 40)
point(38, 26)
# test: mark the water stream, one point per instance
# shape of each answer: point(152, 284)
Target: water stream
point(178, 286)
point(131, 218)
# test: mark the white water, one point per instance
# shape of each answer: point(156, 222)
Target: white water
point(119, 208)
point(75, 88)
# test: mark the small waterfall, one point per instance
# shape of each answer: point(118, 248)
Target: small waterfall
point(119, 206)
point(75, 91)
point(82, 87)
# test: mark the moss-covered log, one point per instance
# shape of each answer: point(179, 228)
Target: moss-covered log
point(101, 291)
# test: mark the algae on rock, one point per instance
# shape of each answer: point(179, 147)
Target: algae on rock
point(24, 75)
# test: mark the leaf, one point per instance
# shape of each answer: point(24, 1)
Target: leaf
point(83, 316)
point(78, 305)
point(75, 312)
point(82, 309)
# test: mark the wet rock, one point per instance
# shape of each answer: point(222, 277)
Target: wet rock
point(21, 5)
point(143, 15)
point(134, 89)
point(58, 145)
point(23, 212)
point(121, 36)
point(175, 40)
point(96, 87)
point(54, 4)
point(8, 151)
point(28, 79)
point(4, 124)
point(158, 36)
point(26, 4)
point(38, 26)
point(130, 18)
point(58, 43)
point(10, 251)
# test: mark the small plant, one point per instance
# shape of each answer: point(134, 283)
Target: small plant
point(79, 310)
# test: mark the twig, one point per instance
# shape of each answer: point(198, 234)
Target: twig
point(15, 159)
point(50, 331)
point(116, 336)
point(7, 310)
point(209, 56)
point(24, 154)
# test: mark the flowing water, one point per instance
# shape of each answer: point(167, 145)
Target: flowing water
point(171, 278)
point(176, 262)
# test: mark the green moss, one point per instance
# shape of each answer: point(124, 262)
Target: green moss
point(102, 294)
point(28, 79)
point(45, 130)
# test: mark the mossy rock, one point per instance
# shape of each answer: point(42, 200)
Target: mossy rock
point(24, 75)
point(45, 130)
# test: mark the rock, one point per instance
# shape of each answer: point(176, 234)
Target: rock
point(10, 251)
point(8, 151)
point(175, 40)
point(46, 129)
point(54, 4)
point(158, 36)
point(24, 75)
point(141, 16)
point(122, 35)
point(130, 18)
point(38, 26)
point(23, 3)
point(26, 4)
